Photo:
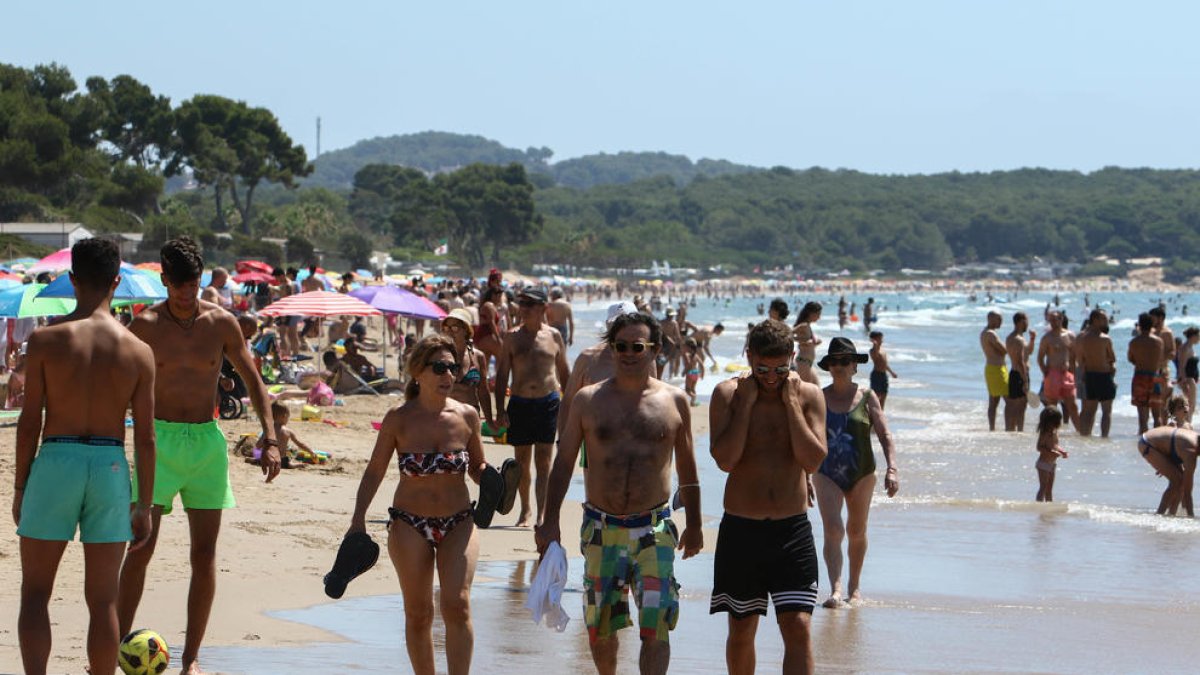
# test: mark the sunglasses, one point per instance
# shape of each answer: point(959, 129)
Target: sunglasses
point(622, 346)
point(443, 367)
point(781, 371)
point(840, 360)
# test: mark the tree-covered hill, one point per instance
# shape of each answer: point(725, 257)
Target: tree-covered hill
point(439, 152)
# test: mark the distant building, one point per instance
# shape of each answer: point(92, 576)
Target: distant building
point(55, 235)
point(129, 243)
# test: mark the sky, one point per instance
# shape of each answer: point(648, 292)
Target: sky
point(887, 86)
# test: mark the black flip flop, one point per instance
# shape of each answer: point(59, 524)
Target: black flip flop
point(510, 471)
point(357, 554)
point(491, 490)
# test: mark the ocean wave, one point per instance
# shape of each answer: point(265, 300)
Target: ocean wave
point(1109, 515)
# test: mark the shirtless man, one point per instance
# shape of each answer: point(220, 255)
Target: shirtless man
point(536, 356)
point(189, 338)
point(994, 372)
point(1095, 355)
point(560, 317)
point(1056, 359)
point(85, 370)
point(633, 425)
point(1149, 389)
point(289, 332)
point(768, 433)
point(593, 365)
point(672, 350)
point(703, 337)
point(215, 292)
point(1165, 334)
point(1019, 348)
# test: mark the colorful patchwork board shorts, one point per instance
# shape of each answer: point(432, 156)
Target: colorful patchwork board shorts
point(629, 552)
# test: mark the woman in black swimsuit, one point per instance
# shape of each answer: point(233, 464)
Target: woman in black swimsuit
point(436, 442)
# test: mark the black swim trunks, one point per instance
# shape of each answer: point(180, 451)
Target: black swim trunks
point(532, 420)
point(1099, 386)
point(1191, 368)
point(1017, 387)
point(755, 558)
point(879, 382)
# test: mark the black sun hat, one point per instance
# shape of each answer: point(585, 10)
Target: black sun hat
point(840, 346)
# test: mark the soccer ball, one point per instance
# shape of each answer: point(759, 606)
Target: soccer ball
point(143, 652)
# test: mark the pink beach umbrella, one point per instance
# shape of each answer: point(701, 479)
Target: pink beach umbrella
point(320, 303)
point(56, 262)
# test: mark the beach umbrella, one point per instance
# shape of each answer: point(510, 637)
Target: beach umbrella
point(150, 267)
point(394, 300)
point(138, 287)
point(320, 303)
point(20, 264)
point(253, 277)
point(55, 262)
point(21, 301)
point(253, 266)
point(9, 283)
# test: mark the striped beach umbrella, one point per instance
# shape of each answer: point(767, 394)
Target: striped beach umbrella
point(56, 262)
point(320, 303)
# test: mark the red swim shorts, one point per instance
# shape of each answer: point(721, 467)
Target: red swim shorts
point(1059, 384)
point(1149, 389)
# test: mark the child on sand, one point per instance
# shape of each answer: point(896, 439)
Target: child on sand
point(1048, 451)
point(280, 413)
point(693, 368)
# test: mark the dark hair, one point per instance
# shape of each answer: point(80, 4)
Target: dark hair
point(1145, 322)
point(771, 338)
point(1019, 317)
point(808, 310)
point(312, 269)
point(329, 359)
point(277, 272)
point(875, 334)
point(779, 307)
point(1050, 419)
point(1158, 312)
point(1190, 331)
point(1096, 314)
point(280, 410)
point(95, 263)
point(419, 357)
point(181, 260)
point(624, 320)
point(718, 328)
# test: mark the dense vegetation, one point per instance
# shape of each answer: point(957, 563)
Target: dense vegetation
point(100, 156)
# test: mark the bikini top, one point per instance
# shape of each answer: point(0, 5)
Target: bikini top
point(471, 377)
point(432, 463)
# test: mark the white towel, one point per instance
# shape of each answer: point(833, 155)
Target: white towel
point(545, 593)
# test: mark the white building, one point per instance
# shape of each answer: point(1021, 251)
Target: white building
point(55, 235)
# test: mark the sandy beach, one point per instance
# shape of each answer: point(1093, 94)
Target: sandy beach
point(274, 549)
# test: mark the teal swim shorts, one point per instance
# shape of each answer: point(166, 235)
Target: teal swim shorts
point(193, 462)
point(77, 482)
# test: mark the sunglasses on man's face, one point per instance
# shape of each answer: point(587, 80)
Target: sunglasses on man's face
point(781, 371)
point(443, 367)
point(622, 346)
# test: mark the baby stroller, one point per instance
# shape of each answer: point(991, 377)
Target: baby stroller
point(230, 406)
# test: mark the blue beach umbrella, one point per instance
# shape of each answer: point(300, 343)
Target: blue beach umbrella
point(139, 287)
point(22, 301)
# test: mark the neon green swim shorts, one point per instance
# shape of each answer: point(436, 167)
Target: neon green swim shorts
point(76, 481)
point(193, 462)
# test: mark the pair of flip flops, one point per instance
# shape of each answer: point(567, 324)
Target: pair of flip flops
point(357, 554)
point(497, 491)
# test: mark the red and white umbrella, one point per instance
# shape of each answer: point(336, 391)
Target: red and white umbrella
point(253, 266)
point(253, 277)
point(320, 303)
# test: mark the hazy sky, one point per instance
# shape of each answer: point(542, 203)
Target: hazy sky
point(890, 86)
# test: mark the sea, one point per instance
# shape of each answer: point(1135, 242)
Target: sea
point(966, 572)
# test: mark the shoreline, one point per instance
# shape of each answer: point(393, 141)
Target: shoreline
point(275, 546)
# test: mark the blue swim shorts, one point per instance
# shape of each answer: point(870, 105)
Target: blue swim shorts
point(77, 482)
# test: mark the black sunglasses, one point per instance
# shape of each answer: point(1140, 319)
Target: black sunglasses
point(779, 370)
point(443, 367)
point(840, 360)
point(622, 346)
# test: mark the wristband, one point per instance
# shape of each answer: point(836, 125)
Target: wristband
point(270, 441)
